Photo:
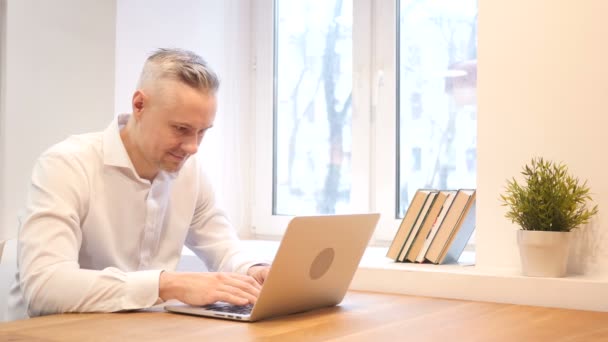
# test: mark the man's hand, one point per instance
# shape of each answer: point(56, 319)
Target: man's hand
point(259, 273)
point(209, 287)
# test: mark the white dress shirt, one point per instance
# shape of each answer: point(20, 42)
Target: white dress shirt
point(95, 236)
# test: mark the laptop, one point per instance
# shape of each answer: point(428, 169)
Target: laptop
point(313, 268)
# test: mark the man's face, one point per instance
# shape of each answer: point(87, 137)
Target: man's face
point(172, 123)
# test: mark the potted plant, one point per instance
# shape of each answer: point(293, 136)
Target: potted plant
point(546, 206)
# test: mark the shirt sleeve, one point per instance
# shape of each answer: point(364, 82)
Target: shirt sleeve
point(213, 238)
point(50, 237)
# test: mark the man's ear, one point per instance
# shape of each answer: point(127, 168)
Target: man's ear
point(138, 103)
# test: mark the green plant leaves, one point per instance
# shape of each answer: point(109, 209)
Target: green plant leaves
point(549, 199)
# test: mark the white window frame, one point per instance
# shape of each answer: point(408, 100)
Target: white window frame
point(384, 106)
point(374, 121)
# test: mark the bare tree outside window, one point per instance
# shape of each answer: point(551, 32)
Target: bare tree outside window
point(437, 91)
point(313, 90)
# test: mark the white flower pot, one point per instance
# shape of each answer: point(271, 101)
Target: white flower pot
point(543, 253)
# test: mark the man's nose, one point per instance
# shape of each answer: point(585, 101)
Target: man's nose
point(190, 146)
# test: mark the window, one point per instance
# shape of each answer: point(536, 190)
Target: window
point(312, 111)
point(437, 81)
point(360, 103)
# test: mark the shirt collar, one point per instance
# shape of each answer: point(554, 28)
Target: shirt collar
point(115, 153)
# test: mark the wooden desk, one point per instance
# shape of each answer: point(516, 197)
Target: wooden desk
point(363, 316)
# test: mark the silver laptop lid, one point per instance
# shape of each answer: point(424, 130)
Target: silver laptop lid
point(315, 263)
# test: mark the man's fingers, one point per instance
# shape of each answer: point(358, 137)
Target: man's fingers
point(236, 296)
point(231, 299)
point(207, 288)
point(245, 286)
point(259, 273)
point(244, 282)
point(248, 279)
point(263, 275)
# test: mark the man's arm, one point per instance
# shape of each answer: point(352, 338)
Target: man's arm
point(49, 242)
point(213, 239)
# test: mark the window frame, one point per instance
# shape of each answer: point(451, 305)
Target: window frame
point(375, 118)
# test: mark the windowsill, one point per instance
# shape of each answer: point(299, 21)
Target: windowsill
point(463, 281)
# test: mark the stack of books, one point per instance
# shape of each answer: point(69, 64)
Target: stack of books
point(436, 227)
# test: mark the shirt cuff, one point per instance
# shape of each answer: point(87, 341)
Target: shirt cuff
point(245, 266)
point(142, 289)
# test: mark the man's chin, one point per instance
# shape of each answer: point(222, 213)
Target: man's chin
point(172, 167)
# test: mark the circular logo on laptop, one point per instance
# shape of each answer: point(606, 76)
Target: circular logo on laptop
point(321, 264)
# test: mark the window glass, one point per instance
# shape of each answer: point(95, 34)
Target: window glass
point(437, 131)
point(313, 95)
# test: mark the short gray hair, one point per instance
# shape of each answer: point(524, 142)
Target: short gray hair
point(179, 65)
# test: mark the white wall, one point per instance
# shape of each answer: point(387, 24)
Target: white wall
point(542, 92)
point(218, 31)
point(58, 79)
point(2, 109)
point(69, 66)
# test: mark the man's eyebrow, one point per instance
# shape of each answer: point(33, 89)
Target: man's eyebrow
point(187, 125)
point(180, 124)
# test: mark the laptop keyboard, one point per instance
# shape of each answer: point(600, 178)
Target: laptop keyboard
point(228, 308)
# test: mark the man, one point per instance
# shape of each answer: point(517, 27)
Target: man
point(108, 213)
